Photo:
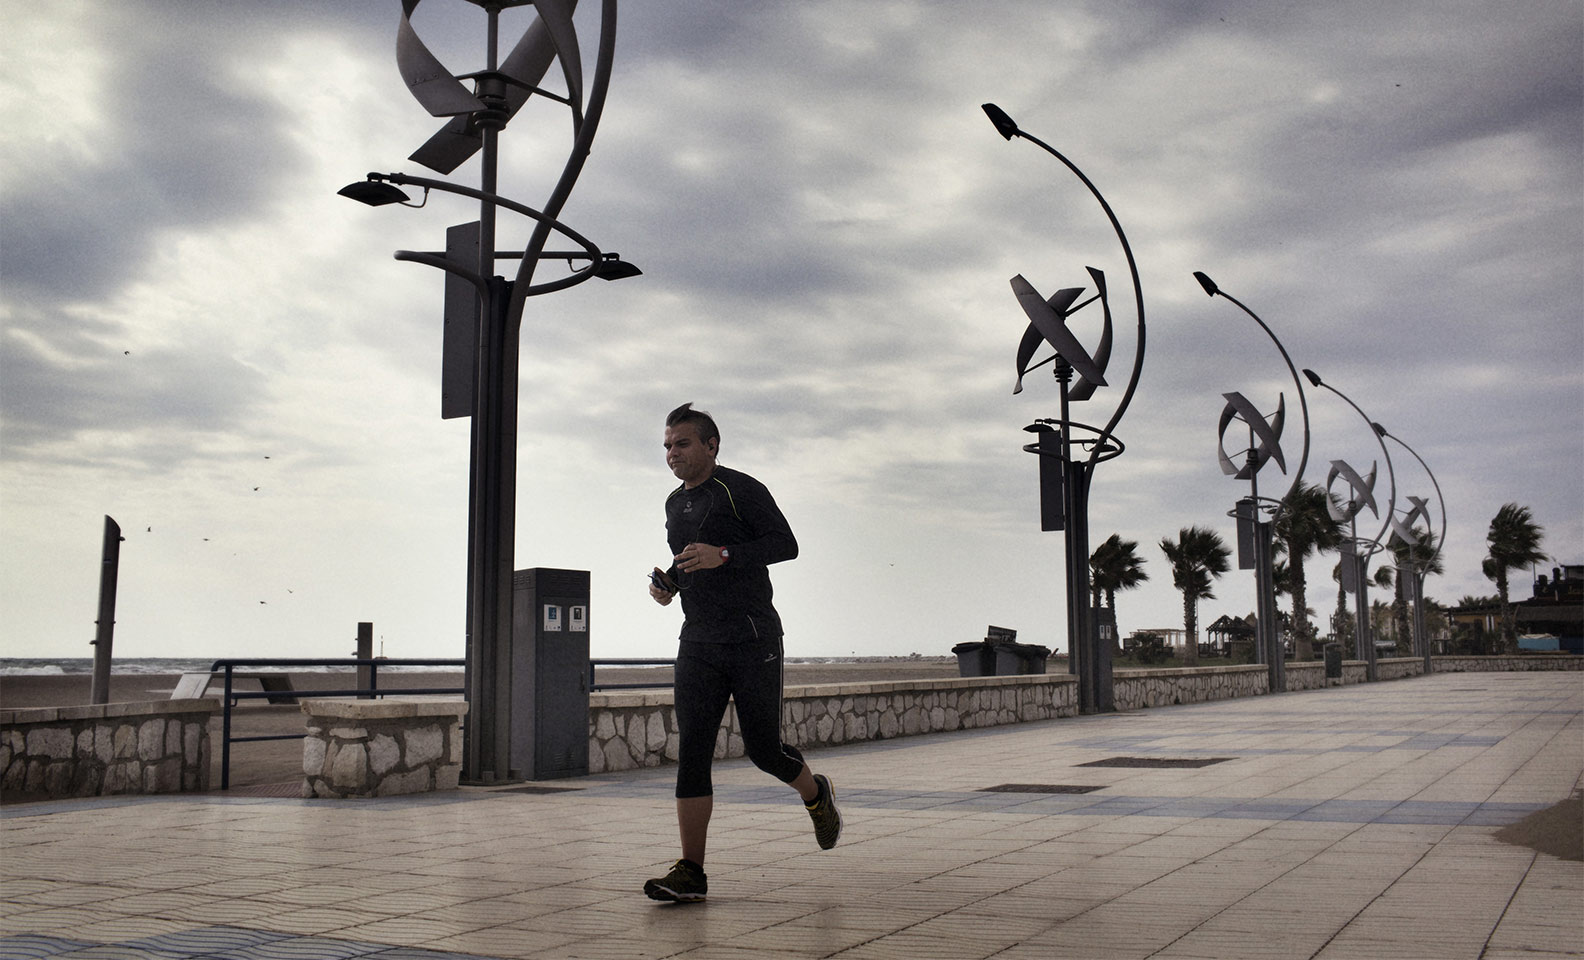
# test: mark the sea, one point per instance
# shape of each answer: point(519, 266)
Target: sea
point(64, 666)
point(131, 666)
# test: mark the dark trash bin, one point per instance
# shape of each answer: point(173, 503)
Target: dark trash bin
point(1333, 661)
point(1012, 659)
point(975, 658)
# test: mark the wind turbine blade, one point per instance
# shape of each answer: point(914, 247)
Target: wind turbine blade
point(557, 15)
point(430, 83)
point(1084, 388)
point(457, 141)
point(1052, 327)
point(1030, 342)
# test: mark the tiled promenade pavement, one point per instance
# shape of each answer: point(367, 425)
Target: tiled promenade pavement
point(1355, 822)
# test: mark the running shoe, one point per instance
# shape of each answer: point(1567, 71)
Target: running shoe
point(686, 883)
point(827, 819)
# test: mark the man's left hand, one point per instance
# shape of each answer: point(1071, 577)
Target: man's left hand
point(698, 556)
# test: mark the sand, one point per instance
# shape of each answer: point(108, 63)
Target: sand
point(280, 761)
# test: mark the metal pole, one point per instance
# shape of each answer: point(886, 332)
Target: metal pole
point(365, 651)
point(1363, 633)
point(104, 630)
point(1097, 654)
point(225, 733)
point(487, 726)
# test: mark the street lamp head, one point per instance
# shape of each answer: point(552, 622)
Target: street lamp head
point(1004, 124)
point(375, 193)
point(1314, 378)
point(1380, 431)
point(1208, 284)
point(613, 267)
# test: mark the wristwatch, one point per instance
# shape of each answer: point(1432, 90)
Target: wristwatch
point(725, 554)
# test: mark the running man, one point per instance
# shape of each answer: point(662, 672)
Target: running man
point(725, 530)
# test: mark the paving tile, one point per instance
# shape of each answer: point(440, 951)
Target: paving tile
point(1357, 819)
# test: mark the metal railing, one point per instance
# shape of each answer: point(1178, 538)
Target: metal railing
point(372, 690)
point(233, 695)
point(623, 662)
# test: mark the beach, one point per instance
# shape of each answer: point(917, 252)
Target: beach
point(280, 761)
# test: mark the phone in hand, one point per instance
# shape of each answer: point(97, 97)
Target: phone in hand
point(660, 582)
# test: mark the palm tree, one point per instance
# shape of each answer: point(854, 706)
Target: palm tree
point(1514, 541)
point(1305, 526)
point(1196, 557)
point(1115, 565)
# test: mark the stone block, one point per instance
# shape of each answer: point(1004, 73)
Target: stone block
point(85, 744)
point(454, 754)
point(397, 784)
point(192, 734)
point(383, 753)
point(604, 726)
point(423, 745)
point(888, 725)
point(125, 742)
point(54, 742)
point(348, 767)
point(447, 776)
point(656, 733)
point(617, 756)
point(173, 738)
point(57, 778)
point(163, 776)
point(151, 739)
point(313, 756)
point(123, 776)
point(348, 733)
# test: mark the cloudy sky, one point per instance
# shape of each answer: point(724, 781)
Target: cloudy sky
point(203, 341)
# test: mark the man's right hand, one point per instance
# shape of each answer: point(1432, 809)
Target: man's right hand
point(661, 596)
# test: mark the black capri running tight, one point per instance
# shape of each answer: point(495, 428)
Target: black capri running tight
point(707, 675)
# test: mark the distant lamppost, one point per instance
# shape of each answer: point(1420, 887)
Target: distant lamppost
point(1254, 532)
point(1064, 478)
point(484, 311)
point(1411, 567)
point(1356, 555)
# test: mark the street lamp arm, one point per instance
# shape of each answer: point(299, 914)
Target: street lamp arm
point(448, 265)
point(547, 222)
point(1391, 474)
point(1442, 500)
point(1127, 251)
point(1303, 403)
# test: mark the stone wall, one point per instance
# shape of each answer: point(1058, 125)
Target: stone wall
point(159, 746)
point(638, 729)
point(1139, 689)
point(1527, 661)
point(380, 748)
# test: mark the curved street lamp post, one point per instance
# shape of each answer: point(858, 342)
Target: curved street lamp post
point(484, 311)
point(1254, 533)
point(1409, 567)
point(1064, 478)
point(1355, 559)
